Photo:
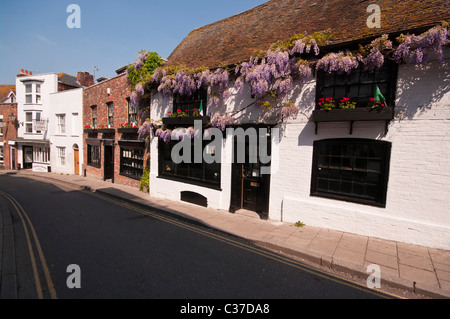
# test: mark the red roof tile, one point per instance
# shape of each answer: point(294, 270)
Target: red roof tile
point(234, 39)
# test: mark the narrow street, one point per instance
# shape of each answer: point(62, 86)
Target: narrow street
point(125, 252)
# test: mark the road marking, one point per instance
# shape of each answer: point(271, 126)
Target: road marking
point(253, 249)
point(25, 219)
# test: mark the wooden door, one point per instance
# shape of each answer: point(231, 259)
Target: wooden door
point(76, 161)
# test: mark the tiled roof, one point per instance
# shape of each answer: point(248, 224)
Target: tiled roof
point(68, 79)
point(4, 91)
point(234, 39)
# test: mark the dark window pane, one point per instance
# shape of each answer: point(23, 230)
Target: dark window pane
point(353, 174)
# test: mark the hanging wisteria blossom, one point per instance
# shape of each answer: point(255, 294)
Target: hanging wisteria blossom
point(139, 89)
point(221, 121)
point(416, 49)
point(342, 62)
point(371, 55)
point(145, 129)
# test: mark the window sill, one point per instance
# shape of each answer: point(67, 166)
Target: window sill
point(94, 165)
point(128, 130)
point(106, 130)
point(351, 115)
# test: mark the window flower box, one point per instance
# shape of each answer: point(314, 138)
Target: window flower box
point(351, 115)
point(128, 130)
point(106, 130)
point(185, 121)
point(91, 130)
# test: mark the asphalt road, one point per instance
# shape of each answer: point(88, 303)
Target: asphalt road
point(117, 251)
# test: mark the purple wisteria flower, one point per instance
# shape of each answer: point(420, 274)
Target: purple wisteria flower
point(221, 122)
point(342, 62)
point(139, 88)
point(375, 59)
point(140, 60)
point(134, 98)
point(145, 129)
point(416, 49)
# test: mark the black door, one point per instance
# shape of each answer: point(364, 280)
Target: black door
point(109, 162)
point(27, 157)
point(251, 180)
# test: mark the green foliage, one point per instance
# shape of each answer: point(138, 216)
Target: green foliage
point(321, 38)
point(145, 179)
point(299, 224)
point(145, 72)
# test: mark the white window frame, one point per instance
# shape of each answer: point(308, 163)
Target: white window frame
point(1, 124)
point(28, 93)
point(38, 93)
point(61, 155)
point(33, 91)
point(61, 124)
point(41, 154)
point(28, 121)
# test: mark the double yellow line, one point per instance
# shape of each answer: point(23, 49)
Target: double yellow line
point(29, 228)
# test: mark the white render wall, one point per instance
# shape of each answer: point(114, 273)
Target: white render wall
point(417, 208)
point(70, 103)
point(48, 86)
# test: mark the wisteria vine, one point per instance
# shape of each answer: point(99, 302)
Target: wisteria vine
point(271, 75)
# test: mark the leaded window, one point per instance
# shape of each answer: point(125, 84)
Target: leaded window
point(354, 170)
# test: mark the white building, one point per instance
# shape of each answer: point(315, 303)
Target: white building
point(49, 116)
point(66, 131)
point(382, 173)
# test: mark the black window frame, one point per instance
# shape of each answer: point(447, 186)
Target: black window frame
point(132, 165)
point(189, 103)
point(94, 155)
point(385, 78)
point(201, 174)
point(356, 172)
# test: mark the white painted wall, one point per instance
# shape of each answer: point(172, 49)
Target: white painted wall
point(69, 103)
point(48, 86)
point(419, 183)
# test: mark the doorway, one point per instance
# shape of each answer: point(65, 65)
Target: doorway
point(27, 157)
point(76, 159)
point(109, 162)
point(250, 180)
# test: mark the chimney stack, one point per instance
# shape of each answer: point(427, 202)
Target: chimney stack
point(85, 79)
point(22, 73)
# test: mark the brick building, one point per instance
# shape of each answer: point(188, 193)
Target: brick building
point(8, 126)
point(112, 147)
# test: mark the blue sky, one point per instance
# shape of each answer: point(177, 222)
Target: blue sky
point(34, 34)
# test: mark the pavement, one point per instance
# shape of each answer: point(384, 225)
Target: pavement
point(412, 269)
